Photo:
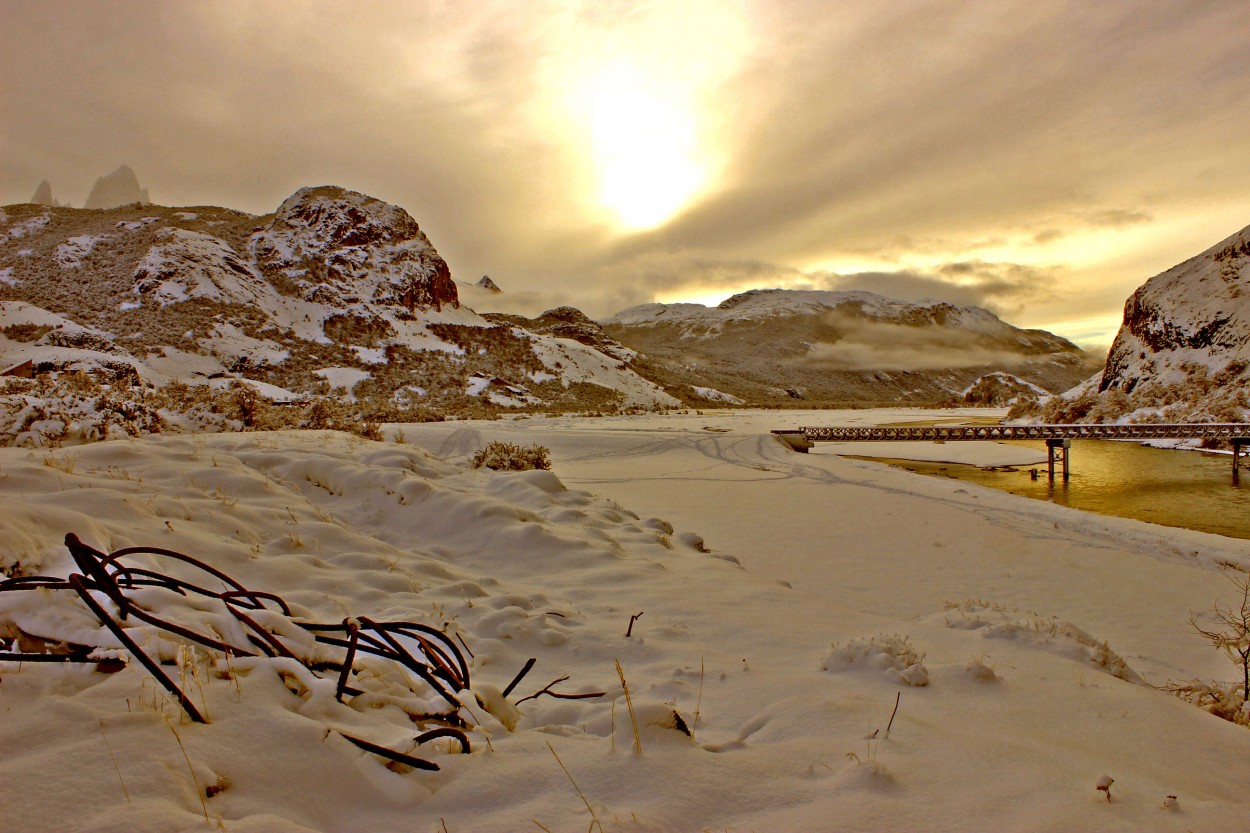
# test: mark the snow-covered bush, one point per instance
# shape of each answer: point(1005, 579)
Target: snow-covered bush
point(507, 457)
point(894, 656)
point(73, 409)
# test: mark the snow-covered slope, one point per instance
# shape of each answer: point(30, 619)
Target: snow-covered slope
point(1196, 314)
point(771, 346)
point(1182, 353)
point(850, 647)
point(334, 284)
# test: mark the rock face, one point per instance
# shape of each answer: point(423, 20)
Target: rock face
point(487, 284)
point(774, 346)
point(43, 194)
point(1194, 315)
point(121, 187)
point(342, 247)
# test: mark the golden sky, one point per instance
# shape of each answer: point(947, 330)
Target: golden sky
point(1041, 158)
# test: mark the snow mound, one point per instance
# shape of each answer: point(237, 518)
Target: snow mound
point(1048, 633)
point(892, 657)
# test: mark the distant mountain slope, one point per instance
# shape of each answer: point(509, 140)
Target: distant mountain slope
point(334, 287)
point(1182, 352)
point(780, 347)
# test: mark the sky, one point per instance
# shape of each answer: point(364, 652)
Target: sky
point(1041, 158)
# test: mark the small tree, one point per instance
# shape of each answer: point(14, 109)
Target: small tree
point(1234, 639)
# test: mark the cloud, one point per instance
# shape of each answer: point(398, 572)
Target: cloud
point(876, 345)
point(877, 133)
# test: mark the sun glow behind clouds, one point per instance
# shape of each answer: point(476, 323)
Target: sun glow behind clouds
point(644, 142)
point(644, 99)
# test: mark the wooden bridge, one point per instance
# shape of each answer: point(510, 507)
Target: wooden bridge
point(1058, 438)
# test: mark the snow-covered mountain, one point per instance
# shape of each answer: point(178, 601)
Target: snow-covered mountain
point(1196, 314)
point(1182, 353)
point(334, 292)
point(775, 346)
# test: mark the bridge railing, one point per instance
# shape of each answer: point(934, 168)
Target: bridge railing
point(1056, 436)
point(903, 433)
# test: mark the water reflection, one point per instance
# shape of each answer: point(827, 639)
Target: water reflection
point(1177, 488)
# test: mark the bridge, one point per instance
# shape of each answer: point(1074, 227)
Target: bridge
point(1058, 438)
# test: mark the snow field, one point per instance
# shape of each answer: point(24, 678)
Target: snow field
point(832, 586)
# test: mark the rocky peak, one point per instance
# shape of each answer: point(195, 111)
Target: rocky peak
point(342, 247)
point(1195, 314)
point(43, 194)
point(487, 284)
point(121, 187)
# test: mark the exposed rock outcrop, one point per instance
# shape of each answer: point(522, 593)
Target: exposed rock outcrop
point(341, 247)
point(121, 187)
point(1196, 314)
point(43, 194)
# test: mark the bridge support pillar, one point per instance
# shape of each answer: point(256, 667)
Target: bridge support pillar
point(1241, 451)
point(1057, 452)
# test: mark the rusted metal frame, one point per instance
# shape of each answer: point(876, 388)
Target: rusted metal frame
point(79, 584)
point(436, 660)
point(185, 633)
point(397, 653)
point(525, 669)
point(263, 638)
point(91, 562)
point(253, 596)
point(367, 645)
point(110, 559)
point(446, 649)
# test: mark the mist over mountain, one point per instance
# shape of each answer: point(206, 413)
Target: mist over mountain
point(784, 347)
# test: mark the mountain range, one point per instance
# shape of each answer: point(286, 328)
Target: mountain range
point(342, 295)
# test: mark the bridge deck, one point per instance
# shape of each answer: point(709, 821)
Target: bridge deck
point(948, 433)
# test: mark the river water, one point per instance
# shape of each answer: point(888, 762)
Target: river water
point(1188, 489)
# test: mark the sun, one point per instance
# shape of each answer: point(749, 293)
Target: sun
point(646, 95)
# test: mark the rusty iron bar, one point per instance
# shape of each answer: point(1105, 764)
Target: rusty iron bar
point(353, 637)
point(80, 585)
point(529, 663)
point(398, 757)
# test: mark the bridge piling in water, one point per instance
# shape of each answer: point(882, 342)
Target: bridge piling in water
point(1057, 452)
point(1241, 449)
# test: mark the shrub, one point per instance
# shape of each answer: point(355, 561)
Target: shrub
point(507, 457)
